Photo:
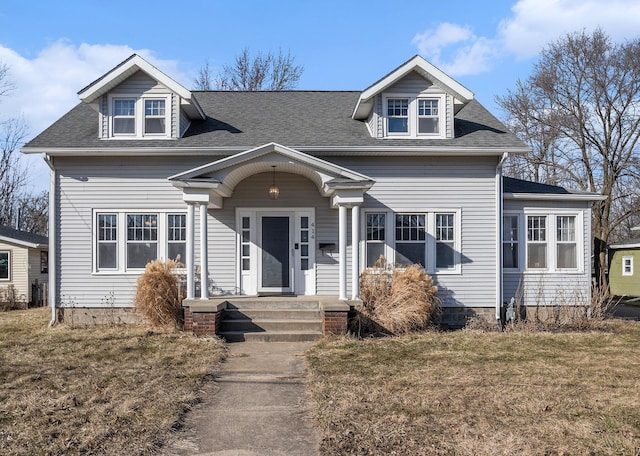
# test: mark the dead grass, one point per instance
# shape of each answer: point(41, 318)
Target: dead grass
point(472, 393)
point(101, 390)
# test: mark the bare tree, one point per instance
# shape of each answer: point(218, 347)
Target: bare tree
point(262, 72)
point(15, 198)
point(580, 112)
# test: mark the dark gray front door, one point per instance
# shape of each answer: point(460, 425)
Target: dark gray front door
point(276, 268)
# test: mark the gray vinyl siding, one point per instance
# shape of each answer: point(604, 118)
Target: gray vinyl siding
point(108, 184)
point(19, 269)
point(550, 288)
point(428, 184)
point(138, 84)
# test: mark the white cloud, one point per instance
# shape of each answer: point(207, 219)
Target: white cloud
point(533, 23)
point(471, 54)
point(537, 22)
point(46, 86)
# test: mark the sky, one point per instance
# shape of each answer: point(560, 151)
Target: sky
point(55, 48)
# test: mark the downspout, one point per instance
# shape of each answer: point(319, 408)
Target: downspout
point(499, 204)
point(52, 239)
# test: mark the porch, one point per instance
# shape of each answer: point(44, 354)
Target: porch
point(272, 318)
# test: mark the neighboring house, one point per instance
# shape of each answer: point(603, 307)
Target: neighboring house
point(297, 192)
point(624, 267)
point(24, 259)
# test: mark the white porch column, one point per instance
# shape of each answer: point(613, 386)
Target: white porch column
point(355, 252)
point(204, 254)
point(189, 260)
point(342, 248)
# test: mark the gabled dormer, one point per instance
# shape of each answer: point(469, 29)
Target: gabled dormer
point(135, 100)
point(414, 101)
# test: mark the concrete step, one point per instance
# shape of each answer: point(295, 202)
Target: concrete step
point(271, 336)
point(271, 324)
point(256, 314)
point(272, 304)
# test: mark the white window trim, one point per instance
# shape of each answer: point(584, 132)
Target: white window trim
point(139, 132)
point(624, 271)
point(121, 252)
point(9, 259)
point(413, 116)
point(552, 251)
point(430, 219)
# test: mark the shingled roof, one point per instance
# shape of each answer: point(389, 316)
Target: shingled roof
point(298, 119)
point(11, 235)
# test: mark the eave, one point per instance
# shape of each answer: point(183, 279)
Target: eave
point(554, 197)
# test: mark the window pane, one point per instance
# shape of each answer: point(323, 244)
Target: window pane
point(177, 251)
point(245, 223)
point(410, 253)
point(154, 107)
point(44, 262)
point(304, 222)
point(374, 251)
point(398, 125)
point(107, 255)
point(124, 125)
point(124, 107)
point(567, 256)
point(375, 227)
point(4, 265)
point(428, 125)
point(246, 264)
point(445, 256)
point(304, 250)
point(154, 125)
point(304, 236)
point(246, 249)
point(510, 256)
point(139, 254)
point(304, 264)
point(566, 226)
point(510, 228)
point(537, 256)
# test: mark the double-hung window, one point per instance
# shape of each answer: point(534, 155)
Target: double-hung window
point(566, 245)
point(627, 266)
point(124, 116)
point(154, 117)
point(410, 239)
point(398, 115)
point(177, 237)
point(107, 238)
point(142, 240)
point(428, 116)
point(537, 242)
point(5, 265)
point(375, 238)
point(445, 241)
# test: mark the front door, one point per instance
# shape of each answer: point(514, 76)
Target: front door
point(276, 271)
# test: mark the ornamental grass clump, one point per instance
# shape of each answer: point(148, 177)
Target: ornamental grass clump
point(395, 300)
point(159, 294)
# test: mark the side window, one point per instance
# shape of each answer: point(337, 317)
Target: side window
point(567, 247)
point(177, 237)
point(510, 242)
point(107, 236)
point(537, 242)
point(44, 262)
point(375, 240)
point(428, 116)
point(5, 265)
point(445, 241)
point(627, 266)
point(154, 117)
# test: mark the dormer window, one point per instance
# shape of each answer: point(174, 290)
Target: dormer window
point(414, 116)
point(154, 117)
point(143, 117)
point(124, 120)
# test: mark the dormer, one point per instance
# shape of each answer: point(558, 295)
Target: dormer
point(414, 101)
point(135, 100)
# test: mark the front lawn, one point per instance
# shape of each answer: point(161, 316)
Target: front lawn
point(472, 393)
point(100, 390)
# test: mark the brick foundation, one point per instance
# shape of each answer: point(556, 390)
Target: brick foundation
point(202, 318)
point(334, 322)
point(457, 317)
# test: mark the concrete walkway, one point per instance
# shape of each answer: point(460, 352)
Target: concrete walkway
point(257, 406)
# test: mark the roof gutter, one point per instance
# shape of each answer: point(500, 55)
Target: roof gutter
point(52, 240)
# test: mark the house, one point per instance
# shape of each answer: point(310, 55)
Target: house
point(624, 267)
point(297, 192)
point(24, 261)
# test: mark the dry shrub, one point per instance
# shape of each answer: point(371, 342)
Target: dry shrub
point(395, 300)
point(11, 300)
point(159, 295)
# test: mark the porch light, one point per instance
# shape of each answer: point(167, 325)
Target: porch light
point(274, 191)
